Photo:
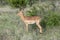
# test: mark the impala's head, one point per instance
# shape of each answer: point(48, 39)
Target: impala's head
point(20, 13)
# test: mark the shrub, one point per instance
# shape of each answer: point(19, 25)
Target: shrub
point(49, 18)
point(20, 3)
point(32, 12)
point(17, 3)
point(52, 19)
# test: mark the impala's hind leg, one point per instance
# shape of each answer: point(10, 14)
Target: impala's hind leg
point(37, 23)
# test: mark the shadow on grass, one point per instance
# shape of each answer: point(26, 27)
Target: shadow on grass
point(43, 24)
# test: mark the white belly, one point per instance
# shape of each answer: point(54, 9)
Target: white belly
point(30, 22)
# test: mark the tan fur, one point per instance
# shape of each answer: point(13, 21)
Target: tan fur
point(30, 20)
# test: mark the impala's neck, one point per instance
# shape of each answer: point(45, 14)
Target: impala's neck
point(22, 15)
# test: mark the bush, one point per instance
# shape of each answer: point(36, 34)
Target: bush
point(32, 12)
point(17, 3)
point(49, 16)
point(20, 3)
point(52, 19)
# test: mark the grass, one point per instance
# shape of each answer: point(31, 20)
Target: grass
point(12, 28)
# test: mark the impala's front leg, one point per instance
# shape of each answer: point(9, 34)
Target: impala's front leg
point(27, 27)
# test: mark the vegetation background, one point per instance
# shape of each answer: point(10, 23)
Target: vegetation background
point(13, 28)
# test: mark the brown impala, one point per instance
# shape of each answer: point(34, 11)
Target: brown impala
point(30, 20)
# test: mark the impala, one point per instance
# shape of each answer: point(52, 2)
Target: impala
point(30, 20)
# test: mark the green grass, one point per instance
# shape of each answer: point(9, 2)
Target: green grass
point(12, 28)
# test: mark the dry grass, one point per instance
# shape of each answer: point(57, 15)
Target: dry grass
point(12, 28)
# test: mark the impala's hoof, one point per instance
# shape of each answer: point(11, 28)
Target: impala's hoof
point(41, 32)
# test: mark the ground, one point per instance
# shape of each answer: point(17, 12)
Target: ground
point(12, 28)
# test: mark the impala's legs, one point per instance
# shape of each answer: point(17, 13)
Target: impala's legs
point(39, 27)
point(27, 27)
